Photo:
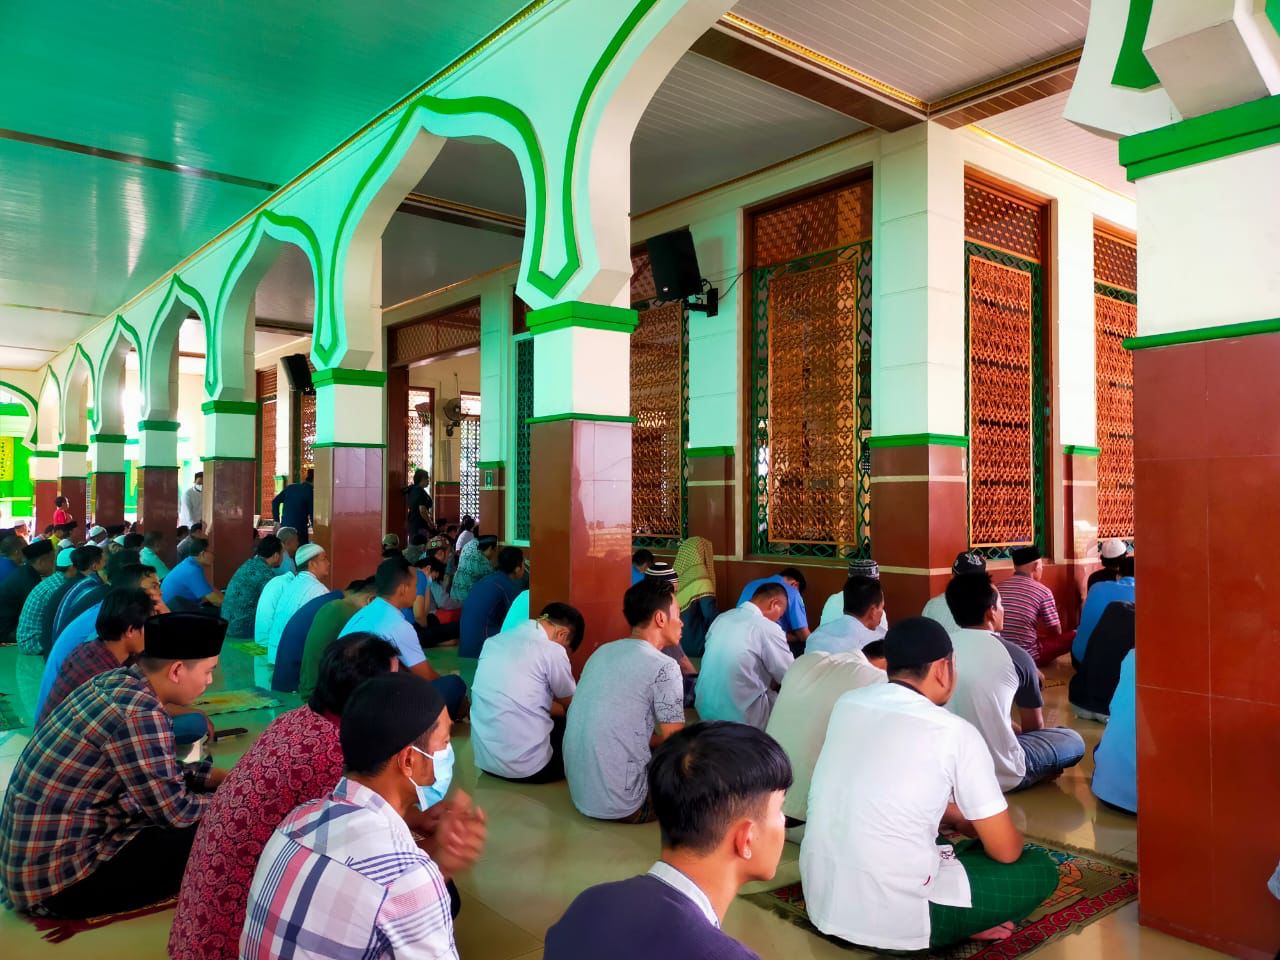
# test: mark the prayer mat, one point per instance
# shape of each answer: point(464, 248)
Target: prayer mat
point(236, 701)
point(58, 929)
point(1089, 887)
point(249, 647)
point(9, 718)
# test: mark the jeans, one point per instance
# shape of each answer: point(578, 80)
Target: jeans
point(1048, 753)
point(189, 727)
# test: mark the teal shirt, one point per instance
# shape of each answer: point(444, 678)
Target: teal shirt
point(240, 602)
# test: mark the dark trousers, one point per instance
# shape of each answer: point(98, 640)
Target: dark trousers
point(436, 633)
point(147, 870)
point(553, 772)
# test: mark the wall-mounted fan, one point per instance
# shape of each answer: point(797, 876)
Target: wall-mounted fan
point(452, 415)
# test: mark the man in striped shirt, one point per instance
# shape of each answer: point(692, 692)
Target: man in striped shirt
point(343, 876)
point(1030, 612)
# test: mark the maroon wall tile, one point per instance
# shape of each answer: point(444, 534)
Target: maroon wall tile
point(108, 499)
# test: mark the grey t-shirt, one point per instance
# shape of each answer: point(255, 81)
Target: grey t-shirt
point(627, 687)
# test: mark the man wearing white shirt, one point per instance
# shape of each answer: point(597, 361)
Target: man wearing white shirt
point(872, 869)
point(191, 503)
point(833, 609)
point(522, 689)
point(306, 585)
point(745, 660)
point(858, 626)
point(994, 676)
point(936, 608)
point(265, 615)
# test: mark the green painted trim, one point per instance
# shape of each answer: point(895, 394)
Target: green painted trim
point(132, 441)
point(574, 313)
point(1273, 14)
point(693, 452)
point(159, 426)
point(109, 438)
point(1226, 331)
point(73, 447)
point(1212, 136)
point(44, 453)
point(355, 378)
point(600, 417)
point(917, 440)
point(249, 407)
point(211, 458)
point(490, 465)
point(1133, 69)
point(1076, 450)
point(72, 476)
point(106, 473)
point(343, 443)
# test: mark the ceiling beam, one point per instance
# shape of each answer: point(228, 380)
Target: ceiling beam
point(1036, 82)
point(780, 61)
point(462, 214)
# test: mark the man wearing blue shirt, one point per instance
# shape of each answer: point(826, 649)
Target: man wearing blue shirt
point(1115, 761)
point(640, 561)
point(10, 555)
point(488, 601)
point(187, 586)
point(294, 639)
point(1100, 594)
point(396, 584)
point(796, 620)
point(292, 506)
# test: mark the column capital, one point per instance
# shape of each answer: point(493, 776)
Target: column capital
point(349, 408)
point(108, 452)
point(157, 443)
point(582, 372)
point(574, 313)
point(230, 429)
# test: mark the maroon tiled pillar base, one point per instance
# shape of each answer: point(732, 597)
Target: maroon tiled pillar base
point(107, 493)
point(447, 502)
point(76, 490)
point(580, 523)
point(229, 505)
point(1079, 527)
point(918, 521)
point(1207, 458)
point(46, 493)
point(493, 501)
point(348, 510)
point(158, 506)
point(711, 499)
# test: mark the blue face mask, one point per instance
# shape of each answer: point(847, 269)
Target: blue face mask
point(442, 764)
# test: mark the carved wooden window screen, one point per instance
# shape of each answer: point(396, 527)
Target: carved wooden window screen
point(1007, 403)
point(524, 410)
point(419, 445)
point(439, 333)
point(811, 376)
point(266, 393)
point(469, 456)
point(306, 434)
point(1115, 304)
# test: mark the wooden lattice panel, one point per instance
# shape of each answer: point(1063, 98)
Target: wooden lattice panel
point(657, 356)
point(1001, 461)
point(1114, 320)
point(999, 221)
point(1115, 261)
point(266, 383)
point(439, 333)
point(643, 288)
point(813, 474)
point(827, 221)
point(267, 451)
point(524, 410)
point(416, 457)
point(306, 433)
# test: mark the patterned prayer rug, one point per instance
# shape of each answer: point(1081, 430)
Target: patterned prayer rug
point(1089, 887)
point(236, 701)
point(249, 647)
point(57, 930)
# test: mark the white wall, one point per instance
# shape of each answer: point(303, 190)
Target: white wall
point(448, 378)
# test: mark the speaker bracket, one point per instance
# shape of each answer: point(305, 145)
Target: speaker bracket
point(709, 303)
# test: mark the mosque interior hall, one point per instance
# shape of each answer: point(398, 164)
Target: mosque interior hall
point(907, 332)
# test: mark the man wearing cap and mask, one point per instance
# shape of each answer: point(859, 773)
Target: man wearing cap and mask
point(35, 627)
point(833, 609)
point(936, 609)
point(306, 585)
point(475, 562)
point(1030, 610)
point(858, 626)
point(872, 869)
point(356, 846)
point(99, 816)
point(97, 535)
point(37, 563)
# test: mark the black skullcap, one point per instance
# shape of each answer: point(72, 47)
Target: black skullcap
point(968, 562)
point(384, 715)
point(183, 636)
point(34, 551)
point(662, 571)
point(915, 641)
point(487, 541)
point(1021, 555)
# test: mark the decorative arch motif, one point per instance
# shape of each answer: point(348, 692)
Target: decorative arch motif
point(76, 392)
point(162, 338)
point(112, 359)
point(33, 410)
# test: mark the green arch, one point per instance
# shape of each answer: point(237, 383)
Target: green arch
point(120, 328)
point(33, 435)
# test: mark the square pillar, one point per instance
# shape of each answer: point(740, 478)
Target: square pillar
point(350, 469)
point(106, 481)
point(580, 460)
point(230, 475)
point(158, 481)
point(1080, 508)
point(44, 476)
point(493, 497)
point(713, 495)
point(447, 501)
point(73, 480)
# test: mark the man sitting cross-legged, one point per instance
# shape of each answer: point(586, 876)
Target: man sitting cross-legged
point(903, 767)
point(342, 876)
point(521, 692)
point(746, 658)
point(992, 676)
point(487, 601)
point(717, 789)
point(99, 816)
point(858, 625)
point(240, 603)
point(325, 628)
point(628, 688)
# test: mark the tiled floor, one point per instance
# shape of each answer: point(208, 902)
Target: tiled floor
point(541, 853)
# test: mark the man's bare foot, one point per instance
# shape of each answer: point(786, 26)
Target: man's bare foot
point(1003, 932)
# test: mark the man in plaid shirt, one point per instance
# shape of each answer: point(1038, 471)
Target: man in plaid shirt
point(99, 817)
point(35, 625)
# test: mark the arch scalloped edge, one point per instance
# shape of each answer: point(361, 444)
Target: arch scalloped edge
point(33, 407)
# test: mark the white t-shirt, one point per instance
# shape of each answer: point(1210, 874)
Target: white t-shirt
point(988, 682)
point(746, 655)
point(520, 672)
point(840, 635)
point(833, 609)
point(936, 609)
point(301, 589)
point(800, 716)
point(265, 614)
point(870, 863)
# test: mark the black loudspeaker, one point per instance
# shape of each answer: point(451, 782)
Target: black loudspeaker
point(298, 372)
point(675, 265)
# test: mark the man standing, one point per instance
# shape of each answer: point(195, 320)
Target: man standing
point(99, 816)
point(38, 563)
point(873, 871)
point(187, 586)
point(936, 608)
point(487, 602)
point(191, 503)
point(858, 626)
point(475, 562)
point(745, 660)
point(795, 620)
point(418, 504)
point(240, 603)
point(293, 506)
point(1029, 609)
point(993, 675)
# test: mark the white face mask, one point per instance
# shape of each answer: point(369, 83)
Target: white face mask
point(199, 486)
point(442, 765)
